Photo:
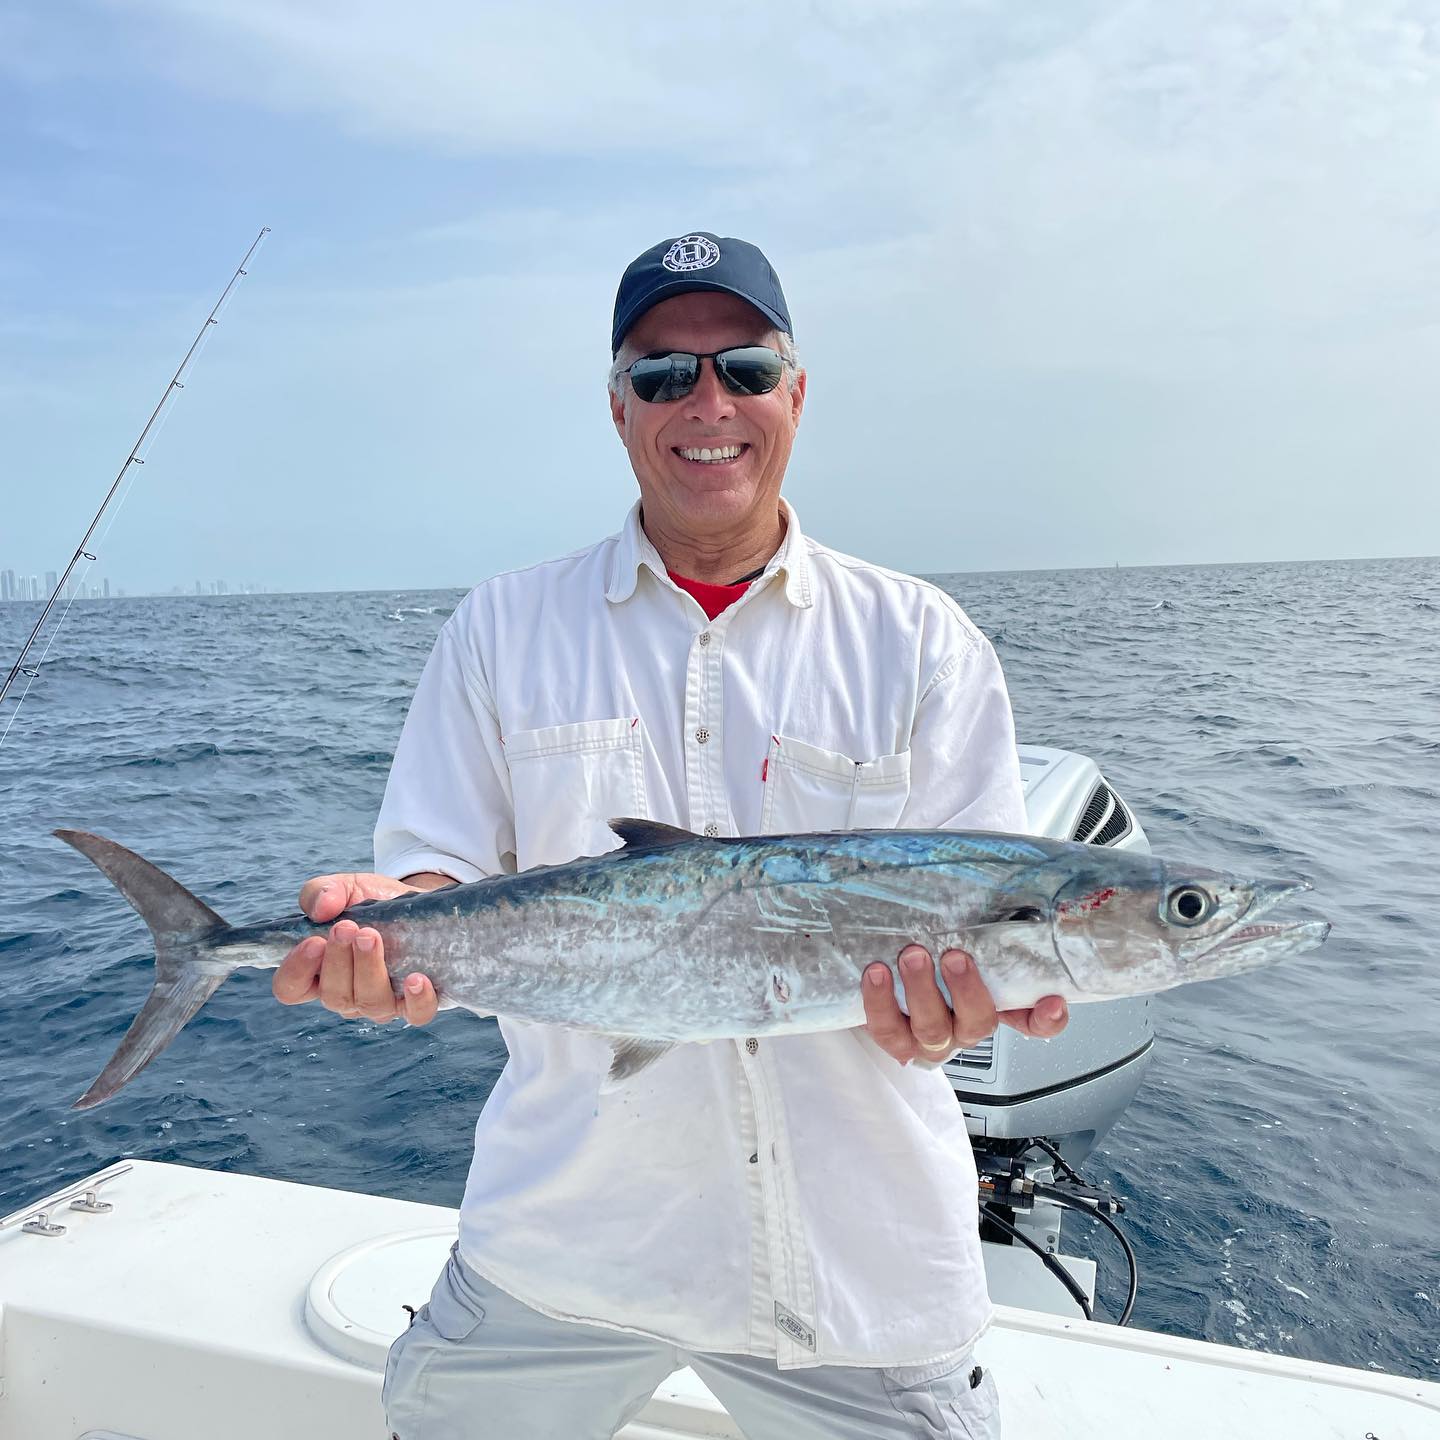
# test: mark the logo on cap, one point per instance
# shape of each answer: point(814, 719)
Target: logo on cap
point(691, 252)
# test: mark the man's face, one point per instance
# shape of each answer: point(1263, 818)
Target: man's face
point(702, 499)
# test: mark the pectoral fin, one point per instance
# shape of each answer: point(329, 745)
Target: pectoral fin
point(633, 1055)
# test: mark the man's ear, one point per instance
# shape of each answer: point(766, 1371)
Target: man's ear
point(797, 397)
point(617, 411)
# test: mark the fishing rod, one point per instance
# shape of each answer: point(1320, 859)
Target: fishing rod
point(32, 672)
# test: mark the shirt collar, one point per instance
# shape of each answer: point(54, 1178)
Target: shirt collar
point(633, 551)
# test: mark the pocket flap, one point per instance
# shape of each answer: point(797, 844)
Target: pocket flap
point(453, 1310)
point(564, 739)
point(795, 754)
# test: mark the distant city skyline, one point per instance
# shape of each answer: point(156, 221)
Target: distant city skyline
point(17, 586)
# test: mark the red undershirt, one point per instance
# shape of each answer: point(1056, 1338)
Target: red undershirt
point(712, 599)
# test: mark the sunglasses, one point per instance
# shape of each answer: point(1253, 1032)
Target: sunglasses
point(745, 370)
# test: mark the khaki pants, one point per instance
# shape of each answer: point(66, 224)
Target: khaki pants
point(478, 1364)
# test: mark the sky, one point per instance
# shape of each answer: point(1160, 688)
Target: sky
point(1075, 282)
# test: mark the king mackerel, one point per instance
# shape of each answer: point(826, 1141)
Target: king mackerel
point(769, 933)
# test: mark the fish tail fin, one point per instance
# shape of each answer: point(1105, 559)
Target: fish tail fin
point(187, 974)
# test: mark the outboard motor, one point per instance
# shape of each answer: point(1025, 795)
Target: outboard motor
point(1073, 1088)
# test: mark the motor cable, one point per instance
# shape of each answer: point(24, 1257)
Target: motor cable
point(1084, 1207)
point(1046, 1259)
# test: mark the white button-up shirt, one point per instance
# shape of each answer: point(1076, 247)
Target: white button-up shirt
point(803, 1197)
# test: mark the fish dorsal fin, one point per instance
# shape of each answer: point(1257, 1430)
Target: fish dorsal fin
point(632, 1055)
point(650, 834)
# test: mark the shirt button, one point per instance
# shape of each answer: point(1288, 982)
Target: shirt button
point(702, 737)
point(704, 637)
point(712, 829)
point(752, 1045)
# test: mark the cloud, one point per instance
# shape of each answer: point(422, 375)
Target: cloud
point(1085, 177)
point(1069, 258)
point(489, 79)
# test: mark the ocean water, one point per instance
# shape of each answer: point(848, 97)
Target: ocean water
point(1281, 1164)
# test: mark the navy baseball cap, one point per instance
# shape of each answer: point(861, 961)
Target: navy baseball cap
point(699, 261)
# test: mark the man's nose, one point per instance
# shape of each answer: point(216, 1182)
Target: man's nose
point(709, 401)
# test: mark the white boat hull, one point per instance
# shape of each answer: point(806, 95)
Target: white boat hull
point(230, 1306)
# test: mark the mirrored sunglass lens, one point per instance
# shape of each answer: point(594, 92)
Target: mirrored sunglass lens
point(750, 370)
point(664, 377)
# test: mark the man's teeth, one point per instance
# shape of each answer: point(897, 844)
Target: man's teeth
point(711, 457)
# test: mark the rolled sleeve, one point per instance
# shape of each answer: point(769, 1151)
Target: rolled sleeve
point(964, 772)
point(447, 805)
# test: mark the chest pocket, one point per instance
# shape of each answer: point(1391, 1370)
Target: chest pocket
point(568, 781)
point(807, 788)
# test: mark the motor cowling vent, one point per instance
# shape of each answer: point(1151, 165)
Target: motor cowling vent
point(977, 1057)
point(1105, 819)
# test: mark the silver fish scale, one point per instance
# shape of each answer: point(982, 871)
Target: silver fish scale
point(701, 940)
point(677, 938)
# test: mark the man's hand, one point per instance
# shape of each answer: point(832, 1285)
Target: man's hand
point(347, 973)
point(933, 1032)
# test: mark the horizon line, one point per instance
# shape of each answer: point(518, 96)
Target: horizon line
point(176, 593)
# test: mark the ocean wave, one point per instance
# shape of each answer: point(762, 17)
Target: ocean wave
point(1253, 720)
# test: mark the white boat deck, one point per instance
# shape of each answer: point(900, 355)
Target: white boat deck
point(227, 1307)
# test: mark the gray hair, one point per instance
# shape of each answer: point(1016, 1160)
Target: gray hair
point(627, 355)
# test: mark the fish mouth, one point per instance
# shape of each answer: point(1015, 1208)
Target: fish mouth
point(1268, 942)
point(1249, 944)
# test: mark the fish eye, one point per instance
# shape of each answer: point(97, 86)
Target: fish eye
point(1188, 905)
point(1026, 914)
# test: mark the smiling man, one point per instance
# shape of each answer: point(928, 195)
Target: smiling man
point(794, 1218)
